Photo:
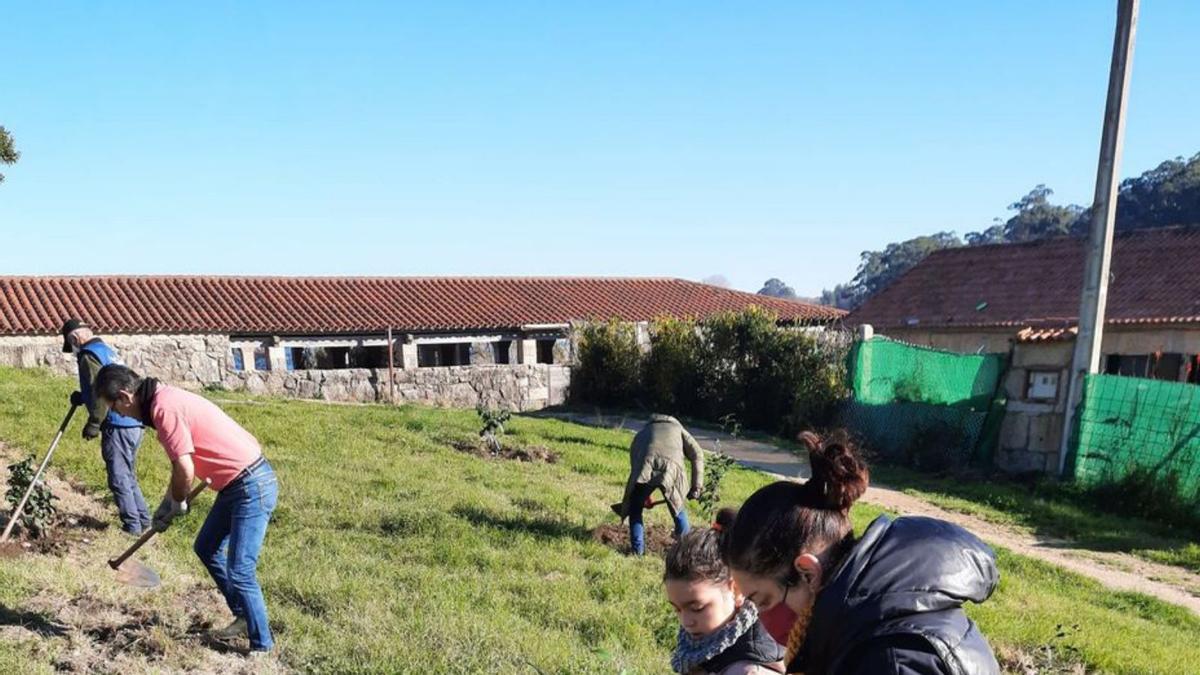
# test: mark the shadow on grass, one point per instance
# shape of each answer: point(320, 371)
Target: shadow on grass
point(31, 621)
point(580, 440)
point(541, 527)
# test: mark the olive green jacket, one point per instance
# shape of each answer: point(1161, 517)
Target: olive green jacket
point(656, 458)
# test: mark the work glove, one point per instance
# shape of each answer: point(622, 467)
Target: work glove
point(694, 493)
point(77, 398)
point(167, 511)
point(91, 430)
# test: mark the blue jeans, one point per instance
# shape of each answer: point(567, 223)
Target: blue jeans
point(637, 531)
point(229, 543)
point(118, 447)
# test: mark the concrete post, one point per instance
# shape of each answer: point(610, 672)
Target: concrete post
point(277, 358)
point(408, 355)
point(527, 351)
point(1104, 208)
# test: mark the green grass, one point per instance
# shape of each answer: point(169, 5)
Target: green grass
point(392, 552)
point(1050, 510)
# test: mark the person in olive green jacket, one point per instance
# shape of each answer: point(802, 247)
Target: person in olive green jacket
point(656, 462)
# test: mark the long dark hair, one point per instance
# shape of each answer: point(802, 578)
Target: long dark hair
point(784, 519)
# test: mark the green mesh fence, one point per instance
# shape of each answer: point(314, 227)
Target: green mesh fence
point(1128, 423)
point(912, 401)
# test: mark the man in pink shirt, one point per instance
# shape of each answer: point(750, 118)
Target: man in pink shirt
point(203, 442)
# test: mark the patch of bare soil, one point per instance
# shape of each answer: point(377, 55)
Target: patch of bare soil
point(533, 453)
point(659, 538)
point(1052, 658)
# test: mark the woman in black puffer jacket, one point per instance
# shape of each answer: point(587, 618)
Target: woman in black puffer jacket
point(889, 602)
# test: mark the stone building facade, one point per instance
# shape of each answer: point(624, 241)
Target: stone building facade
point(200, 361)
point(460, 341)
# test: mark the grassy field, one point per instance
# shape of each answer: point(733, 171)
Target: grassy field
point(393, 552)
point(1051, 511)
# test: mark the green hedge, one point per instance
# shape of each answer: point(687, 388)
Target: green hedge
point(741, 364)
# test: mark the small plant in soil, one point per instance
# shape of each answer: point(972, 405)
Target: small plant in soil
point(716, 465)
point(493, 426)
point(39, 510)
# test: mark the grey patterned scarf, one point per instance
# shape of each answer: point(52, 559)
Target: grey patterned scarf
point(691, 652)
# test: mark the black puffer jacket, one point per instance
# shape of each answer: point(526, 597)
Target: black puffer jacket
point(895, 604)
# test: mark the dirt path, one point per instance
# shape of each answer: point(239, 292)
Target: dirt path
point(76, 617)
point(1120, 571)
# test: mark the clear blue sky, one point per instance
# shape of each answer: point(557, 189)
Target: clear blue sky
point(683, 139)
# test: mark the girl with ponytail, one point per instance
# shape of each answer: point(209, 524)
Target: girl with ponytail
point(888, 602)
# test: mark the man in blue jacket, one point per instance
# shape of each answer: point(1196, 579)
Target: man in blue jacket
point(120, 436)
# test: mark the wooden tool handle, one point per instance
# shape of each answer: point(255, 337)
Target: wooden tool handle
point(148, 534)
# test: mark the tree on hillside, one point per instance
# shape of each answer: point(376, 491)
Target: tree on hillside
point(777, 289)
point(1166, 195)
point(716, 280)
point(842, 296)
point(8, 151)
point(880, 268)
point(992, 235)
point(1037, 218)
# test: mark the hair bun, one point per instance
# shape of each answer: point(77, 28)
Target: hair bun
point(839, 475)
point(725, 518)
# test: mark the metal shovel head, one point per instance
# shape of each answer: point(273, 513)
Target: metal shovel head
point(134, 573)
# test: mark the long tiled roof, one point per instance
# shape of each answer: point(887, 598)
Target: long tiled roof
point(343, 305)
point(1155, 279)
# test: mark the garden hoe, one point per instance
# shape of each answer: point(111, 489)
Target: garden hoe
point(138, 574)
point(16, 515)
point(648, 504)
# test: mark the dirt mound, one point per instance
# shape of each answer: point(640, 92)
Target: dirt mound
point(533, 453)
point(659, 538)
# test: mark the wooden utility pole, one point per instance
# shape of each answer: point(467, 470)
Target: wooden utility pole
point(1104, 207)
point(391, 368)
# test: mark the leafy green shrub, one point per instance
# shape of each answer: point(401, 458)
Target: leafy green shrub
point(771, 377)
point(493, 425)
point(39, 510)
point(670, 376)
point(609, 369)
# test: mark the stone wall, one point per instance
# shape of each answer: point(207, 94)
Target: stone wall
point(520, 387)
point(196, 361)
point(1031, 434)
point(188, 360)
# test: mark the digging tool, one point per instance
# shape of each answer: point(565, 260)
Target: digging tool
point(648, 504)
point(16, 515)
point(138, 574)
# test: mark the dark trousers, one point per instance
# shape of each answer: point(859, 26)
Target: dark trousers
point(118, 447)
point(637, 530)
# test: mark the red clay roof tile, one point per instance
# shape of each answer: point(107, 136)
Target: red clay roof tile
point(341, 305)
point(1155, 279)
